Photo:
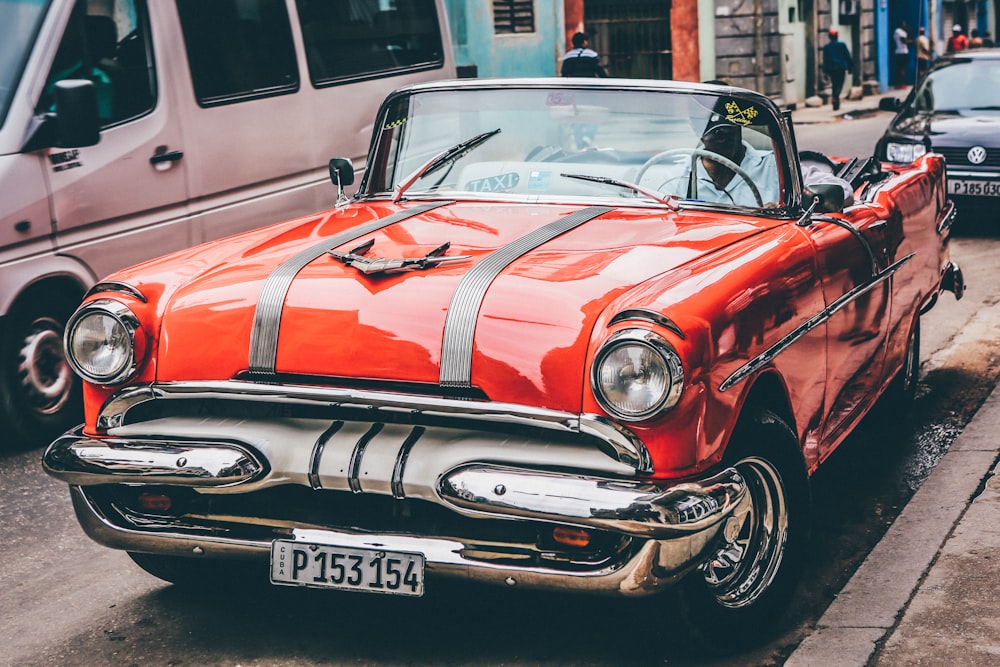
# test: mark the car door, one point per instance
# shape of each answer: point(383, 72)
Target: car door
point(123, 200)
point(852, 258)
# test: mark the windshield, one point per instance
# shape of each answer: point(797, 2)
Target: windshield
point(964, 86)
point(563, 142)
point(19, 23)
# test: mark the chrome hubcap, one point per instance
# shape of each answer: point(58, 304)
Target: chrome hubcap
point(45, 376)
point(746, 565)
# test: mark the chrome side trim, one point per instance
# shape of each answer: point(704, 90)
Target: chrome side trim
point(267, 317)
point(614, 439)
point(634, 508)
point(76, 459)
point(646, 315)
point(460, 325)
point(768, 355)
point(948, 219)
point(116, 286)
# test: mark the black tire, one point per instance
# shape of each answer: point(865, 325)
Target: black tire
point(899, 396)
point(737, 597)
point(40, 396)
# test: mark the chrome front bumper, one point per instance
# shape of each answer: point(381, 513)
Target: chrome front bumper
point(546, 471)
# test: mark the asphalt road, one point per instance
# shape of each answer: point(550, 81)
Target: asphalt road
point(66, 601)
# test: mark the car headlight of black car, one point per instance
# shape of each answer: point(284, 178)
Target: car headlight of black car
point(100, 342)
point(637, 374)
point(899, 150)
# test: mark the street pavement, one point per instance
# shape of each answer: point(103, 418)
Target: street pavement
point(929, 592)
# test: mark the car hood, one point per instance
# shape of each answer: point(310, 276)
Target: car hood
point(951, 129)
point(532, 322)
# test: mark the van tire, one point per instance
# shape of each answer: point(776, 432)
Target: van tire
point(40, 396)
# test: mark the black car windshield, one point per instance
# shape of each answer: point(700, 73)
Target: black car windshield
point(19, 23)
point(559, 142)
point(971, 85)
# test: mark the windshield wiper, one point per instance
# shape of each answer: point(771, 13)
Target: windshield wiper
point(449, 156)
point(987, 108)
point(669, 200)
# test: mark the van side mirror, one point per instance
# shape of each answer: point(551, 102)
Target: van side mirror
point(342, 174)
point(77, 120)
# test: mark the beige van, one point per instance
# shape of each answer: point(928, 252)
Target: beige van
point(132, 128)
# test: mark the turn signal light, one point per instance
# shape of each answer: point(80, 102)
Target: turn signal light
point(571, 537)
point(155, 502)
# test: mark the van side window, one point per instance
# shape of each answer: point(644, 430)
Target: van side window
point(238, 49)
point(113, 50)
point(349, 39)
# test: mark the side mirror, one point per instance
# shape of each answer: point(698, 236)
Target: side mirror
point(889, 103)
point(342, 174)
point(831, 197)
point(77, 120)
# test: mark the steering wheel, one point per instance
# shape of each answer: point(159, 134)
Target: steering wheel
point(696, 153)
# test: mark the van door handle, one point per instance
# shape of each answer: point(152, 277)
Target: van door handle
point(162, 155)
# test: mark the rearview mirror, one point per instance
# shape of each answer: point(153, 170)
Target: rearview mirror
point(77, 120)
point(342, 174)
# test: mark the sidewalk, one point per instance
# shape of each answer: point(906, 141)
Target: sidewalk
point(848, 108)
point(929, 592)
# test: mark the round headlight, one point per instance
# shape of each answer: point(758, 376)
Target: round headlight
point(100, 342)
point(637, 374)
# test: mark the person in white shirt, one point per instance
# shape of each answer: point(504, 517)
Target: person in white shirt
point(718, 183)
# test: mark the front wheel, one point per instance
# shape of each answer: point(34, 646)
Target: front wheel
point(735, 598)
point(39, 394)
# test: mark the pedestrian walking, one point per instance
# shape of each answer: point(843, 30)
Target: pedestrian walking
point(901, 53)
point(837, 63)
point(581, 60)
point(958, 41)
point(923, 53)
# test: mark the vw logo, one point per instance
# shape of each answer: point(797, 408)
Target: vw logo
point(977, 155)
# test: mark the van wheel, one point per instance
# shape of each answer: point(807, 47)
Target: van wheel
point(39, 394)
point(735, 599)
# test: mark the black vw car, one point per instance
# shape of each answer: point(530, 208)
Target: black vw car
point(955, 111)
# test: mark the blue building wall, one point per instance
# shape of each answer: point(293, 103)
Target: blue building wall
point(506, 55)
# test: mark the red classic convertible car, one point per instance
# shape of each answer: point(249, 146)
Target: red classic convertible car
point(586, 335)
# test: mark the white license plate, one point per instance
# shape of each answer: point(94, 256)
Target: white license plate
point(973, 188)
point(346, 568)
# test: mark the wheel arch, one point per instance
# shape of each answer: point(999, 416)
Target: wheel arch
point(55, 275)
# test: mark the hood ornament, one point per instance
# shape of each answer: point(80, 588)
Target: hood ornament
point(368, 265)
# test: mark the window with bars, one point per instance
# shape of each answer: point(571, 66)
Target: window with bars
point(512, 16)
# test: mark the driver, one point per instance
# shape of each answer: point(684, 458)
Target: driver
point(717, 183)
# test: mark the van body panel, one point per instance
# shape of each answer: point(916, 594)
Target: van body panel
point(188, 151)
point(24, 215)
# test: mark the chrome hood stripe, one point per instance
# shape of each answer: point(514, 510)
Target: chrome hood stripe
point(460, 325)
point(267, 317)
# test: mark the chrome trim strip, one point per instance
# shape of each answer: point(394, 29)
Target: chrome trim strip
point(354, 474)
point(615, 440)
point(267, 317)
point(401, 456)
point(76, 459)
point(460, 324)
point(646, 315)
point(948, 219)
point(116, 286)
point(769, 354)
point(317, 454)
point(634, 508)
